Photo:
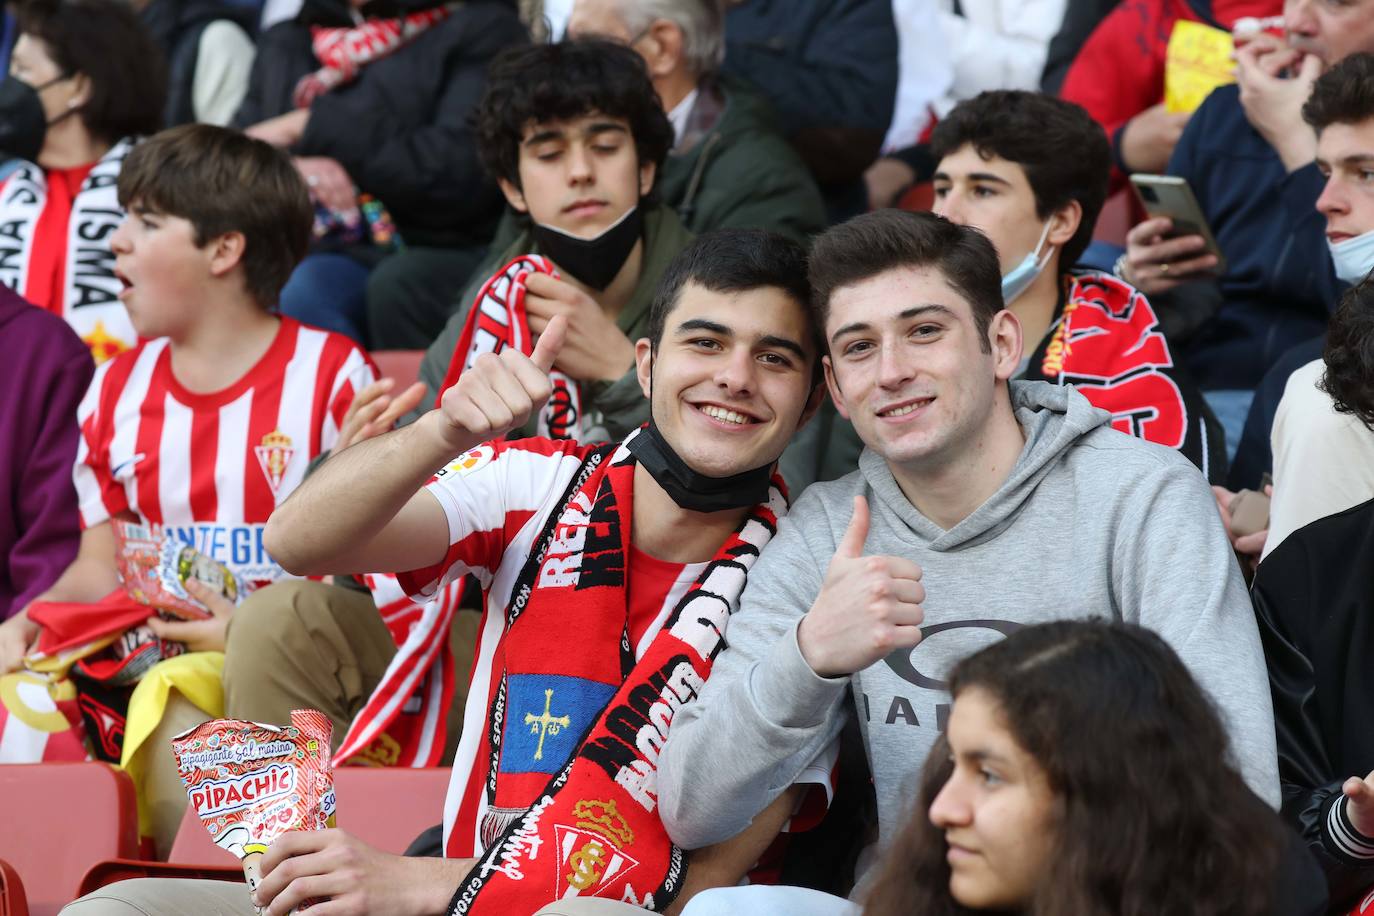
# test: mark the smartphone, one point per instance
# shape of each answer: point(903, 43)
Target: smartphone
point(1169, 195)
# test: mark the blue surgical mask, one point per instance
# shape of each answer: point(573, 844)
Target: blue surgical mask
point(1353, 257)
point(1019, 278)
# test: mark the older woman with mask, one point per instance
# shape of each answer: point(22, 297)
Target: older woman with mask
point(85, 82)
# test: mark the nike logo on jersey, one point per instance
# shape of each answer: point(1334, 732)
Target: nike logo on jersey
point(118, 470)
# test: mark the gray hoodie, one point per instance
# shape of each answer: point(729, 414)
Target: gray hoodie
point(1091, 522)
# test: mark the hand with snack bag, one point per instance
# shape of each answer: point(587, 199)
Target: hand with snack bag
point(356, 878)
point(199, 635)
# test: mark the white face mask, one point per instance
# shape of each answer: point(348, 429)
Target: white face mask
point(1353, 257)
point(1019, 278)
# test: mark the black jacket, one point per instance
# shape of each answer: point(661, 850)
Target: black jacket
point(1314, 598)
point(402, 130)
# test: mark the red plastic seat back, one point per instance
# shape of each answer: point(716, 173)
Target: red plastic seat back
point(12, 900)
point(388, 807)
point(60, 819)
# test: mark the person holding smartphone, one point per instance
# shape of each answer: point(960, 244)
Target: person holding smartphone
point(1248, 158)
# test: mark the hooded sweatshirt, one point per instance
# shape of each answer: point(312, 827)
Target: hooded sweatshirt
point(1090, 523)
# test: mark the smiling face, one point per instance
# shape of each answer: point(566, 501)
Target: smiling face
point(731, 379)
point(163, 270)
point(997, 810)
point(580, 175)
point(909, 367)
point(1345, 155)
point(1330, 29)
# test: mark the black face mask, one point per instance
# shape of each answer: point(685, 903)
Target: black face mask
point(23, 126)
point(594, 262)
point(690, 490)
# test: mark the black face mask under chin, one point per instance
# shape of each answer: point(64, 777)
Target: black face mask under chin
point(595, 261)
point(690, 490)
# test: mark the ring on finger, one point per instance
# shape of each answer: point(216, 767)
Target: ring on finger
point(1164, 269)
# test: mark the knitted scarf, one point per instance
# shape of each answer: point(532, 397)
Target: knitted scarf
point(342, 52)
point(42, 226)
point(498, 320)
point(403, 721)
point(595, 822)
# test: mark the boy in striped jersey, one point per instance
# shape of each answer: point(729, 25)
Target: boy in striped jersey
point(211, 421)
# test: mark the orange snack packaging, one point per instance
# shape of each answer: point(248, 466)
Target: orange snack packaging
point(251, 783)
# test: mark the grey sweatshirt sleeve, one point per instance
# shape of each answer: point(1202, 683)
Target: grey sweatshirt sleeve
point(763, 715)
point(1172, 556)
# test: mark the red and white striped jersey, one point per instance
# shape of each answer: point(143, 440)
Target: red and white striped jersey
point(212, 467)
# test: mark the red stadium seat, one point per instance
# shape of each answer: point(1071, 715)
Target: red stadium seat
point(387, 808)
point(61, 818)
point(12, 902)
point(402, 365)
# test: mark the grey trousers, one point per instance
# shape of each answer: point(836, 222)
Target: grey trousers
point(165, 897)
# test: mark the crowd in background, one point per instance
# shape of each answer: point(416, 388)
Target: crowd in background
point(1070, 598)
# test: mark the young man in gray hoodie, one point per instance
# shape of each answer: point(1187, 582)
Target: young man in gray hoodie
point(980, 506)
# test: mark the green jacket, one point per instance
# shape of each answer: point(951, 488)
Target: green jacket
point(621, 403)
point(738, 170)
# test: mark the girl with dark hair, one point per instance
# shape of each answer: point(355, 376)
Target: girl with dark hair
point(1084, 771)
point(85, 81)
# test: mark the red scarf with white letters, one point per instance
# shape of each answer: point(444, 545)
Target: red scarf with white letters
point(574, 705)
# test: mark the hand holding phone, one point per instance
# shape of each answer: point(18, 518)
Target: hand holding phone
point(1175, 245)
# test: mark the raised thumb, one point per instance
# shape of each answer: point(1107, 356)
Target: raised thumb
point(852, 544)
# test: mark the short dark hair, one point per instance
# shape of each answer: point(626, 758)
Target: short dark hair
point(883, 240)
point(222, 181)
point(559, 82)
point(737, 260)
point(1064, 152)
point(104, 40)
point(1342, 95)
point(1349, 355)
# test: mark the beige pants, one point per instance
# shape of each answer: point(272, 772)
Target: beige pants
point(165, 897)
point(306, 645)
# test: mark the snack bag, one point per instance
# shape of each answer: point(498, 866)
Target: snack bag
point(154, 566)
point(251, 783)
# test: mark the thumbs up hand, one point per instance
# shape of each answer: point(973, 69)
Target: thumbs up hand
point(500, 391)
point(867, 607)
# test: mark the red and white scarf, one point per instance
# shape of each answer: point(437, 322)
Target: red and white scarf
point(30, 250)
point(596, 821)
point(343, 51)
point(498, 320)
point(403, 722)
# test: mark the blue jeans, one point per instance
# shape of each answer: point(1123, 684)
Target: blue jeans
point(765, 900)
point(1230, 406)
point(329, 291)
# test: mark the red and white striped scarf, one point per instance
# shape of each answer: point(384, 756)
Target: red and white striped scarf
point(403, 722)
point(567, 664)
point(342, 51)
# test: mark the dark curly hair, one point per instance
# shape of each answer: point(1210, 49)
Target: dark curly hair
point(105, 40)
point(1349, 355)
point(559, 82)
point(1064, 152)
point(1342, 95)
point(1151, 816)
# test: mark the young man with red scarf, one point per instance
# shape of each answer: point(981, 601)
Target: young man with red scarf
point(609, 574)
